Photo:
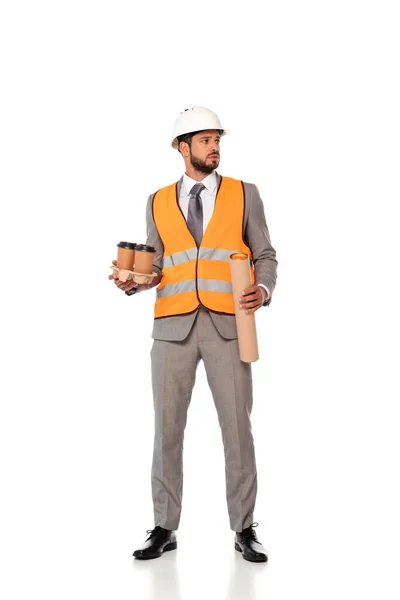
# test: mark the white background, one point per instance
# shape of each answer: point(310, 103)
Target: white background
point(310, 94)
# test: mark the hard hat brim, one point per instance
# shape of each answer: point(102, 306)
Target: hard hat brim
point(174, 142)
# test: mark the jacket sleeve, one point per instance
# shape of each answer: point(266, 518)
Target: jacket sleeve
point(153, 239)
point(258, 239)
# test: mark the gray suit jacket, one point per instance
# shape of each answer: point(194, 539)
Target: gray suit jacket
point(256, 236)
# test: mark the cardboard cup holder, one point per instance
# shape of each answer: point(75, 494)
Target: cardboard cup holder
point(125, 275)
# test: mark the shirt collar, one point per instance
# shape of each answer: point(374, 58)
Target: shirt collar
point(210, 182)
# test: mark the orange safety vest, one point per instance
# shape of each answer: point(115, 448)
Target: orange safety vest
point(192, 276)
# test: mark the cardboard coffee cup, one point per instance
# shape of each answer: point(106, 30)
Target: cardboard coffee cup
point(126, 255)
point(144, 256)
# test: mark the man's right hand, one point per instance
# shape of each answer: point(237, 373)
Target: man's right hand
point(125, 286)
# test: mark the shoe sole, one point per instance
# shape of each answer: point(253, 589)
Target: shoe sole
point(168, 547)
point(259, 559)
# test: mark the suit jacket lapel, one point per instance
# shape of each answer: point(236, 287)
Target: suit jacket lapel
point(179, 186)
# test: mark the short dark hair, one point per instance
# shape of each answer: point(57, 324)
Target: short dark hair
point(187, 137)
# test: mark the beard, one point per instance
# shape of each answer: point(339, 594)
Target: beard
point(202, 166)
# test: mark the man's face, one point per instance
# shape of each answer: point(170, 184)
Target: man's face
point(205, 151)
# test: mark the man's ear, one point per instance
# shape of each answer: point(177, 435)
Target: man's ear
point(184, 148)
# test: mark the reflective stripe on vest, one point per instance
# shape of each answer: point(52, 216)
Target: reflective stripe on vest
point(189, 285)
point(206, 253)
point(179, 257)
point(216, 253)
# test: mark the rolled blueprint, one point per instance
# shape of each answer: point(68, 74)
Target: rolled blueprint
point(246, 324)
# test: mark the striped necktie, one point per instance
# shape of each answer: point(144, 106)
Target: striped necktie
point(195, 213)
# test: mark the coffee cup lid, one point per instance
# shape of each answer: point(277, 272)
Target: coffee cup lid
point(128, 245)
point(145, 248)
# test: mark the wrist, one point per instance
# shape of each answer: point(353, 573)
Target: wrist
point(133, 290)
point(264, 295)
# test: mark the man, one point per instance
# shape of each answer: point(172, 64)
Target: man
point(194, 225)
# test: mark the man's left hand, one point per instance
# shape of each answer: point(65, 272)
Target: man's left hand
point(252, 298)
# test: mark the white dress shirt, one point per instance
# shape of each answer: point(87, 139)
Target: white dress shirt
point(207, 195)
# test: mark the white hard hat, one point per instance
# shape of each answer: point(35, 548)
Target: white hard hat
point(197, 118)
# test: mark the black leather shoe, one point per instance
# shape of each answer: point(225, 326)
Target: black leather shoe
point(160, 540)
point(246, 542)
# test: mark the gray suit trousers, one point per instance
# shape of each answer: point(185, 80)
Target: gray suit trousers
point(174, 365)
